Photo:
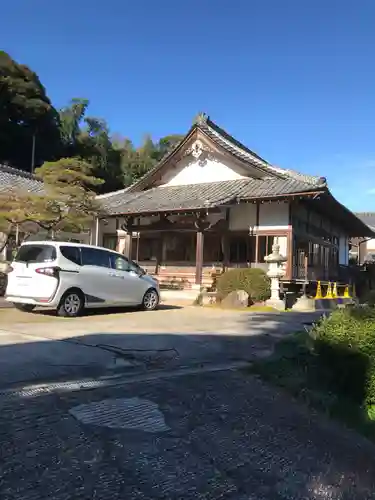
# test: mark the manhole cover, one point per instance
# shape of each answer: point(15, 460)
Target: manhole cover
point(124, 413)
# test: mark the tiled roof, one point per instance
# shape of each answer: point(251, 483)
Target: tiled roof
point(238, 150)
point(199, 196)
point(367, 217)
point(13, 178)
point(241, 151)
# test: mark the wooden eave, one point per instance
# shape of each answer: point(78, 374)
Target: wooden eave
point(341, 215)
point(234, 201)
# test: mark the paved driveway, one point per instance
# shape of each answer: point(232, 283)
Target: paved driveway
point(35, 345)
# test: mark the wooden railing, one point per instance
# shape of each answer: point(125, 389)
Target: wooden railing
point(340, 273)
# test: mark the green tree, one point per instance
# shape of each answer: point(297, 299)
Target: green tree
point(88, 138)
point(27, 117)
point(167, 143)
point(71, 117)
point(96, 147)
point(136, 162)
point(13, 219)
point(68, 203)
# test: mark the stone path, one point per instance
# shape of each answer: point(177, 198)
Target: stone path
point(209, 436)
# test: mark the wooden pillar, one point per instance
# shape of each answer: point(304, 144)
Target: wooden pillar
point(137, 246)
point(256, 248)
point(128, 246)
point(257, 208)
point(225, 242)
point(164, 248)
point(97, 231)
point(290, 250)
point(225, 251)
point(126, 237)
point(160, 255)
point(199, 257)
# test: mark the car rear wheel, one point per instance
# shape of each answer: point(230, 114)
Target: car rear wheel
point(71, 304)
point(150, 300)
point(3, 283)
point(24, 307)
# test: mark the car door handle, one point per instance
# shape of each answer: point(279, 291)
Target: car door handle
point(113, 275)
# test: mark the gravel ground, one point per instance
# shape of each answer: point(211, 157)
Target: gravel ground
point(172, 435)
point(208, 436)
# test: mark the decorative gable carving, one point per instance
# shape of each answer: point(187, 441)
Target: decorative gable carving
point(200, 152)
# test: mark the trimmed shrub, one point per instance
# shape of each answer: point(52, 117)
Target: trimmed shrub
point(345, 345)
point(250, 279)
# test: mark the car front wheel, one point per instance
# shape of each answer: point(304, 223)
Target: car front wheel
point(150, 300)
point(71, 305)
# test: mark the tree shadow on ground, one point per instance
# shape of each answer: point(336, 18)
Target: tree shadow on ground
point(229, 435)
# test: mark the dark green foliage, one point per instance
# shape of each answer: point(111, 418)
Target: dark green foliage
point(25, 111)
point(136, 162)
point(252, 280)
point(345, 344)
point(26, 114)
point(332, 368)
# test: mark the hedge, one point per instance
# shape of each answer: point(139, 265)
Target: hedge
point(252, 280)
point(345, 345)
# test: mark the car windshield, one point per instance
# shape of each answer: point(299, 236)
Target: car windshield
point(36, 254)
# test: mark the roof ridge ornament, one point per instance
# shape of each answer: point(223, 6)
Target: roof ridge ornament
point(200, 119)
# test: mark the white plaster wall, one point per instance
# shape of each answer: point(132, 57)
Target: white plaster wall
point(283, 242)
point(192, 172)
point(214, 218)
point(343, 250)
point(371, 245)
point(242, 217)
point(274, 215)
point(108, 225)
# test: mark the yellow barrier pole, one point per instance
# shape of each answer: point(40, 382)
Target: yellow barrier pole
point(346, 293)
point(334, 292)
point(329, 291)
point(318, 294)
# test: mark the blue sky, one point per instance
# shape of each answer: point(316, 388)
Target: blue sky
point(294, 80)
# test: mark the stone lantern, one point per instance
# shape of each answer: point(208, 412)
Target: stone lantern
point(275, 272)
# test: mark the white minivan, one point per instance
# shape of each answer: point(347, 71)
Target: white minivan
point(69, 277)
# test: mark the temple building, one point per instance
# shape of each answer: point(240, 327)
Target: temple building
point(212, 203)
